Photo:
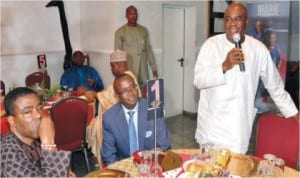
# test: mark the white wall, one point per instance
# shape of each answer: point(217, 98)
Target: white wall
point(29, 29)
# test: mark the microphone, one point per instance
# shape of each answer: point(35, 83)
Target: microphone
point(236, 38)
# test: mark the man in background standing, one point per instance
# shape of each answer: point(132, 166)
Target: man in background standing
point(133, 38)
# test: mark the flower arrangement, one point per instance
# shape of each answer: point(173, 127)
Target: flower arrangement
point(44, 93)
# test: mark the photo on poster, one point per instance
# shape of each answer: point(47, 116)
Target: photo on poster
point(269, 23)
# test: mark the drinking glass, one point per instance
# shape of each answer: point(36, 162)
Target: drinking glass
point(264, 168)
point(206, 148)
point(70, 91)
point(270, 158)
point(279, 163)
point(156, 169)
point(65, 87)
point(144, 167)
point(37, 85)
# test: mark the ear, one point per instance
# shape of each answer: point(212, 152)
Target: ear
point(117, 96)
point(11, 121)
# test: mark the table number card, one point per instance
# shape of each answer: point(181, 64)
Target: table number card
point(155, 97)
point(42, 63)
point(41, 60)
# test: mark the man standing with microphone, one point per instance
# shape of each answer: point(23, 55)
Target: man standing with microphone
point(227, 72)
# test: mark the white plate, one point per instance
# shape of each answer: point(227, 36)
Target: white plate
point(183, 175)
point(172, 173)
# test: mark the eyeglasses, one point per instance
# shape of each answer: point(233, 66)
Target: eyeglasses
point(125, 91)
point(28, 111)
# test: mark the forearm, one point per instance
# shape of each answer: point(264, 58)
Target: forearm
point(150, 55)
point(98, 85)
point(208, 70)
point(275, 86)
point(55, 164)
point(118, 45)
point(207, 77)
point(108, 154)
point(109, 150)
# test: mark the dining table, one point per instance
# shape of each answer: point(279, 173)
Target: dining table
point(129, 166)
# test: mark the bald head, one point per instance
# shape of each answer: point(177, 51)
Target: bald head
point(235, 6)
point(131, 7)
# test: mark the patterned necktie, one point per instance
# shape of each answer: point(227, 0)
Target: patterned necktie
point(132, 133)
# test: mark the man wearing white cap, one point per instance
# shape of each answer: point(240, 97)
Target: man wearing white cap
point(81, 76)
point(107, 98)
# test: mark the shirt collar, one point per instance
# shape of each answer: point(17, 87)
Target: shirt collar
point(135, 109)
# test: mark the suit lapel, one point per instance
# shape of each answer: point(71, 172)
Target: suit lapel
point(142, 125)
point(122, 124)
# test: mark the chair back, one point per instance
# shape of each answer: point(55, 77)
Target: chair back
point(38, 77)
point(278, 136)
point(2, 87)
point(70, 119)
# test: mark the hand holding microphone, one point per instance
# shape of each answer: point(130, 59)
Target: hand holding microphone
point(237, 41)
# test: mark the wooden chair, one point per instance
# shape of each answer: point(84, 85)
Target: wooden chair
point(278, 136)
point(38, 77)
point(69, 116)
point(2, 87)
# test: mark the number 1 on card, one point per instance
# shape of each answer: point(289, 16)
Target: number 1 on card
point(155, 88)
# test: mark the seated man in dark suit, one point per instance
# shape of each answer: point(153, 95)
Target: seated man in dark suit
point(126, 127)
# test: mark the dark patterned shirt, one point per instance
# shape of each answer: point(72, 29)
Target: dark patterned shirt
point(21, 160)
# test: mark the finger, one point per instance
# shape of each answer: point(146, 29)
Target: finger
point(242, 57)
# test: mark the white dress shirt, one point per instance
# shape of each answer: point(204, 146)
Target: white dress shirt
point(135, 119)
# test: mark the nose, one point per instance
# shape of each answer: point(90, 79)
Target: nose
point(37, 113)
point(233, 23)
point(130, 92)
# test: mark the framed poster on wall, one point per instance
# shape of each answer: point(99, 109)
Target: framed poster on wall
point(269, 23)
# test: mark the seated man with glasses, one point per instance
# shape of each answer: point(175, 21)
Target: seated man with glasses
point(126, 126)
point(29, 149)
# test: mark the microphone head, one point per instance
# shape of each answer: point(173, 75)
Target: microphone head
point(236, 37)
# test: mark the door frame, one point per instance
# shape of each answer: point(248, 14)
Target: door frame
point(189, 102)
